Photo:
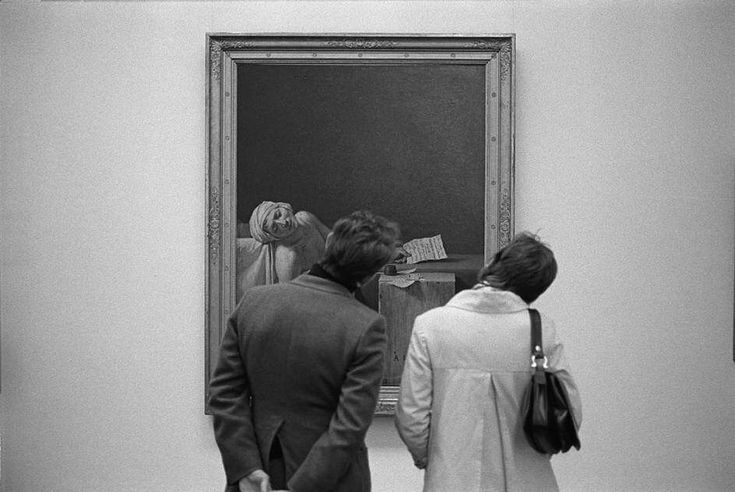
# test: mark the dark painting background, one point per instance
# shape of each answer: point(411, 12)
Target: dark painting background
point(405, 141)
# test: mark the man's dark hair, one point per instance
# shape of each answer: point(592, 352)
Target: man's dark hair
point(361, 244)
point(525, 267)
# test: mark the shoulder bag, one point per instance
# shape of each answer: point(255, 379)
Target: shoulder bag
point(547, 415)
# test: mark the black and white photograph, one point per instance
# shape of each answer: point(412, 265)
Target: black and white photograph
point(367, 246)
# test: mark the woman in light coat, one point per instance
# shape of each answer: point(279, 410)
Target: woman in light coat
point(467, 368)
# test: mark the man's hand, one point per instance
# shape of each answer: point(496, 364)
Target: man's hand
point(257, 481)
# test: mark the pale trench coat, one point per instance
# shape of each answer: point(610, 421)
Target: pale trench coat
point(467, 367)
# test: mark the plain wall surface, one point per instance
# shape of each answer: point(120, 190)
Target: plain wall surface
point(625, 156)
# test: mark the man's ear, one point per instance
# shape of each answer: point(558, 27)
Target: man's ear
point(328, 241)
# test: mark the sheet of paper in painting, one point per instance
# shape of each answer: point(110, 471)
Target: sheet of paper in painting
point(404, 281)
point(425, 249)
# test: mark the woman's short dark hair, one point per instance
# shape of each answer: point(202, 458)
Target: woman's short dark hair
point(525, 267)
point(361, 244)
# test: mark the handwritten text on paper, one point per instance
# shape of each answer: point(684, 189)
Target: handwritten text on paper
point(425, 249)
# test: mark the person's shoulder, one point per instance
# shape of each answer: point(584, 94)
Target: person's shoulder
point(548, 326)
point(432, 320)
point(349, 305)
point(353, 312)
point(304, 216)
point(434, 313)
point(258, 292)
point(546, 320)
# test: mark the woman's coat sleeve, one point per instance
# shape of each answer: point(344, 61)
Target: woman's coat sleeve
point(559, 364)
point(413, 412)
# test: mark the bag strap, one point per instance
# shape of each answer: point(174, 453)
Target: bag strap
point(537, 344)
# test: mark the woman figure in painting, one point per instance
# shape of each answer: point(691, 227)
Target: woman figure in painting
point(282, 245)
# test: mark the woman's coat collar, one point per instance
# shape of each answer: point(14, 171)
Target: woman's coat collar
point(485, 299)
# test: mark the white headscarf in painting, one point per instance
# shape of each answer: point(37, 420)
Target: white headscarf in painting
point(258, 218)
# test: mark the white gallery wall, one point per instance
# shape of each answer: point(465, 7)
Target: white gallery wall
point(625, 165)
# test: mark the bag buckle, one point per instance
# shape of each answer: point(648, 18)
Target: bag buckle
point(545, 363)
point(539, 355)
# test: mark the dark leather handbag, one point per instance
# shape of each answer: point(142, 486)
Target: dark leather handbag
point(547, 416)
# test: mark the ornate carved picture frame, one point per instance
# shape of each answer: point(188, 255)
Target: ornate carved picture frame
point(451, 159)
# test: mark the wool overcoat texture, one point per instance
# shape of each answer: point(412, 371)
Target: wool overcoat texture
point(300, 362)
point(459, 410)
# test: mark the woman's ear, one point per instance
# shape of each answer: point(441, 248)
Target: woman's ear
point(328, 241)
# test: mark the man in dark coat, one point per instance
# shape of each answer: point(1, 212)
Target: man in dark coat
point(298, 377)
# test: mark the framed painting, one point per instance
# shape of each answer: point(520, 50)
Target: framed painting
point(417, 128)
